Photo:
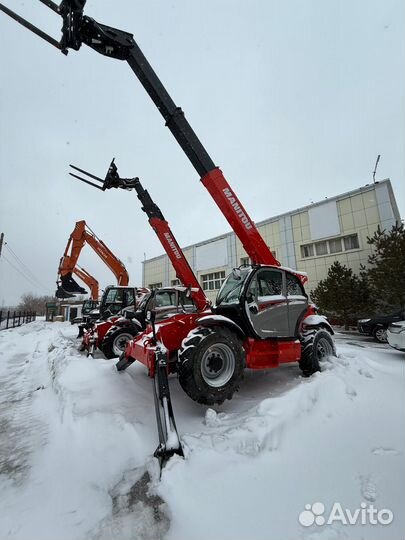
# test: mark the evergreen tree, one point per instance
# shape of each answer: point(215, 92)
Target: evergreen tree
point(342, 294)
point(386, 271)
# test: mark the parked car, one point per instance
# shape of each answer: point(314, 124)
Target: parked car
point(377, 325)
point(396, 335)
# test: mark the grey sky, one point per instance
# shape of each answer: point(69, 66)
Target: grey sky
point(293, 100)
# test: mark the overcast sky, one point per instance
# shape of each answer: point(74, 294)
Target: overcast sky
point(293, 100)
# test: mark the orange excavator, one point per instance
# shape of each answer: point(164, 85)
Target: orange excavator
point(81, 235)
point(115, 297)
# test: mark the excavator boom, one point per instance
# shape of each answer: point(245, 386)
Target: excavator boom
point(88, 279)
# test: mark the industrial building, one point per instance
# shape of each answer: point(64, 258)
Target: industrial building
point(308, 239)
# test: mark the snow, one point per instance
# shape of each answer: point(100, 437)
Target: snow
point(77, 437)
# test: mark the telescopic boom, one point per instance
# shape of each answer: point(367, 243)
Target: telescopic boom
point(79, 29)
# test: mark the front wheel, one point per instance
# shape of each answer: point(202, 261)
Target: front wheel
point(211, 364)
point(316, 345)
point(114, 342)
point(380, 334)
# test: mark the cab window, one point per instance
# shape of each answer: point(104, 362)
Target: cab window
point(269, 283)
point(294, 287)
point(165, 299)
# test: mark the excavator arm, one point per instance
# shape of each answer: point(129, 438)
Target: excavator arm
point(78, 29)
point(81, 235)
point(88, 279)
point(158, 223)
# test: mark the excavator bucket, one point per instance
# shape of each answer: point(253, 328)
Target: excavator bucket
point(69, 285)
point(62, 294)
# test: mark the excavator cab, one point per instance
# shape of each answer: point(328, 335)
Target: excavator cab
point(264, 301)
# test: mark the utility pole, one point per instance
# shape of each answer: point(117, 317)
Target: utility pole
point(1, 241)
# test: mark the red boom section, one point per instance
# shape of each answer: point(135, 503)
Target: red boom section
point(88, 279)
point(238, 218)
point(83, 234)
point(180, 264)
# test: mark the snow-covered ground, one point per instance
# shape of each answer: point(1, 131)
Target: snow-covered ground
point(76, 440)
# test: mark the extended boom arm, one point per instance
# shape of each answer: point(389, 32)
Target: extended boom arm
point(77, 29)
point(88, 279)
point(158, 223)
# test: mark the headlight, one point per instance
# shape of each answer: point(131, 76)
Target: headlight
point(396, 328)
point(363, 320)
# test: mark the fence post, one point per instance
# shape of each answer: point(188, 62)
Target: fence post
point(8, 317)
point(19, 318)
point(1, 317)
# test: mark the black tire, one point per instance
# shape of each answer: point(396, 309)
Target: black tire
point(379, 333)
point(114, 342)
point(316, 344)
point(211, 364)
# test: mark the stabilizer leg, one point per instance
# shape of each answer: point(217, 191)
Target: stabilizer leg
point(169, 440)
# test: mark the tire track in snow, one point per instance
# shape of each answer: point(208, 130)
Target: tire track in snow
point(22, 432)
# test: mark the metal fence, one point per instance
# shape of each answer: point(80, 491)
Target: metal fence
point(11, 319)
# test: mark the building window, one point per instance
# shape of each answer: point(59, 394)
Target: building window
point(307, 251)
point(351, 242)
point(175, 282)
point(213, 281)
point(244, 261)
point(329, 247)
point(155, 285)
point(321, 248)
point(335, 245)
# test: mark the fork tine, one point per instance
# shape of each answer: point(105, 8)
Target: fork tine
point(86, 181)
point(87, 174)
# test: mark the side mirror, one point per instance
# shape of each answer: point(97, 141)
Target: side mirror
point(236, 273)
point(150, 316)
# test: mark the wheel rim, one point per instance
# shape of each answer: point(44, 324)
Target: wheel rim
point(323, 349)
point(120, 342)
point(381, 335)
point(218, 365)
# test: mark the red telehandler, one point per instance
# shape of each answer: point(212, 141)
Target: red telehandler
point(164, 301)
point(262, 317)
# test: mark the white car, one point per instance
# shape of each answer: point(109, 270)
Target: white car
point(396, 335)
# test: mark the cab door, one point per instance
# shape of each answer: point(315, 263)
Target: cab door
point(267, 307)
point(297, 300)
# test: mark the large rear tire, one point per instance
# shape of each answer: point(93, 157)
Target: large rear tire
point(114, 343)
point(316, 345)
point(211, 364)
